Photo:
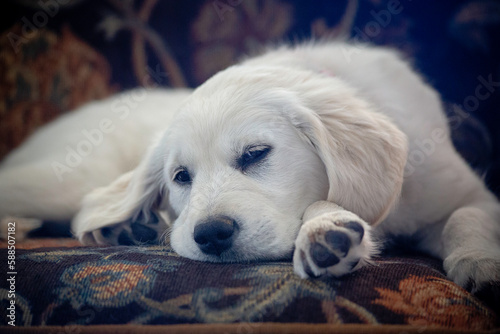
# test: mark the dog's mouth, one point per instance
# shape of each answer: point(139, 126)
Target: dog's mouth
point(237, 255)
point(216, 243)
point(228, 256)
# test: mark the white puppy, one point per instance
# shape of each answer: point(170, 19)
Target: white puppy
point(317, 150)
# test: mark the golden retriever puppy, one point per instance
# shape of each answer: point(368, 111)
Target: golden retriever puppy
point(316, 151)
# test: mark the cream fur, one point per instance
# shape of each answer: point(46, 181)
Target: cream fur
point(342, 125)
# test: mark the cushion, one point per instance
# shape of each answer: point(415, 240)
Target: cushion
point(62, 286)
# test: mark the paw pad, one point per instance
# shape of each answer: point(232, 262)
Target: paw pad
point(353, 226)
point(322, 256)
point(131, 232)
point(142, 233)
point(338, 241)
point(125, 239)
point(331, 246)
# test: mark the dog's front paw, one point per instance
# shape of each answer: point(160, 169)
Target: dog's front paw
point(137, 232)
point(334, 243)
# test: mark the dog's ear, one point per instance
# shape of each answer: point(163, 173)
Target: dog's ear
point(363, 151)
point(134, 195)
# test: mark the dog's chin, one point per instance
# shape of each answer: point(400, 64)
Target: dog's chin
point(237, 256)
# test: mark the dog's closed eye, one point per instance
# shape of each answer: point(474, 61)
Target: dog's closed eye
point(252, 156)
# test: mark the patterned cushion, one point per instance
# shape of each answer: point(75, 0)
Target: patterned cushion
point(153, 285)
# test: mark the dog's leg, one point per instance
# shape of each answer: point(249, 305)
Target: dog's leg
point(471, 249)
point(139, 231)
point(113, 215)
point(332, 241)
point(33, 191)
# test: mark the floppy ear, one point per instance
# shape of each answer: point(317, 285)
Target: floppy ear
point(363, 151)
point(133, 196)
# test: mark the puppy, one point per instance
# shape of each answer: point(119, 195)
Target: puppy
point(319, 150)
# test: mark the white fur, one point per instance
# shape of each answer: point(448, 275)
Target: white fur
point(342, 122)
point(29, 186)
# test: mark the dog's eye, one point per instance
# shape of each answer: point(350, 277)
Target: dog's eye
point(182, 176)
point(253, 155)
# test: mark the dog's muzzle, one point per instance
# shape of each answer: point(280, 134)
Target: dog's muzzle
point(216, 235)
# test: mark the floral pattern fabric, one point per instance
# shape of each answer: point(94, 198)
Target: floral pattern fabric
point(153, 285)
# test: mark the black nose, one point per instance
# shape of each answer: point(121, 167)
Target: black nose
point(215, 236)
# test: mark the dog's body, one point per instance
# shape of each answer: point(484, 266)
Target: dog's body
point(319, 150)
point(48, 176)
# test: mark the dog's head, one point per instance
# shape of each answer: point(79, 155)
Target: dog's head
point(249, 151)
